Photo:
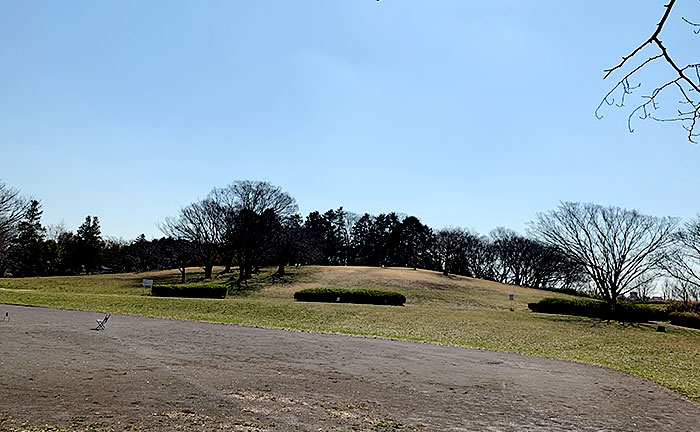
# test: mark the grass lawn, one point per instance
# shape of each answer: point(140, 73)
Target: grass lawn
point(447, 310)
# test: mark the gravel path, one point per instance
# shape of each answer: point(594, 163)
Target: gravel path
point(159, 374)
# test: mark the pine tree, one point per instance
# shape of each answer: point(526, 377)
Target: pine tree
point(27, 249)
point(90, 243)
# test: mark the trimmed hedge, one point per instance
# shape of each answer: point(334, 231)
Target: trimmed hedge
point(325, 295)
point(361, 296)
point(597, 309)
point(569, 291)
point(190, 291)
point(685, 319)
point(689, 307)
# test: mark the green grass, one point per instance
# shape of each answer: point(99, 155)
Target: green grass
point(447, 310)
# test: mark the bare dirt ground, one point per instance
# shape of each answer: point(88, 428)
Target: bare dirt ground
point(159, 374)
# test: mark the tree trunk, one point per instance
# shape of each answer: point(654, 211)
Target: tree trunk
point(280, 270)
point(207, 271)
point(228, 261)
point(182, 274)
point(241, 275)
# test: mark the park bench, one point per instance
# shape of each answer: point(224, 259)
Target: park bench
point(101, 322)
point(147, 283)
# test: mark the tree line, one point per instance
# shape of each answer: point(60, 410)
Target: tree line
point(246, 225)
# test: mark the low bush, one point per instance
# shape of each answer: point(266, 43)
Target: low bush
point(190, 290)
point(679, 306)
point(366, 296)
point(362, 296)
point(325, 295)
point(569, 291)
point(597, 309)
point(685, 319)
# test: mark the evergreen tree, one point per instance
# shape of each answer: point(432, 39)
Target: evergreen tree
point(414, 243)
point(90, 244)
point(27, 249)
point(388, 229)
point(363, 245)
point(69, 257)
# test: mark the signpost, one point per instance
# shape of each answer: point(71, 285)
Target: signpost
point(511, 296)
point(147, 283)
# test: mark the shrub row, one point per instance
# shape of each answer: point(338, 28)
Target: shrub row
point(361, 296)
point(598, 309)
point(685, 319)
point(190, 291)
point(569, 291)
point(690, 307)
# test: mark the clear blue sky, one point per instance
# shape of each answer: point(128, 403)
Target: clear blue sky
point(467, 113)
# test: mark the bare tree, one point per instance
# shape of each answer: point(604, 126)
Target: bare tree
point(179, 253)
point(260, 196)
point(511, 256)
point(684, 79)
point(448, 247)
point(683, 291)
point(683, 262)
point(12, 208)
point(619, 250)
point(54, 231)
point(480, 256)
point(201, 225)
point(645, 292)
point(525, 261)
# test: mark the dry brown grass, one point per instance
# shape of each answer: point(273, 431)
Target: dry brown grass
point(421, 287)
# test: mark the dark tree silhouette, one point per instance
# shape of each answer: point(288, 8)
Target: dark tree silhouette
point(329, 236)
point(27, 253)
point(363, 239)
point(449, 248)
point(90, 243)
point(479, 256)
point(254, 213)
point(414, 242)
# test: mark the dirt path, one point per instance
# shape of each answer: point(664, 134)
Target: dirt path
point(158, 374)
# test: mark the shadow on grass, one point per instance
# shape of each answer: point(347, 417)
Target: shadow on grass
point(593, 322)
point(260, 280)
point(264, 278)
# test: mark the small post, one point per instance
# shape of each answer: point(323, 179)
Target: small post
point(147, 283)
point(6, 317)
point(511, 297)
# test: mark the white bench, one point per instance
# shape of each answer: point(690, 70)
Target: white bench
point(147, 283)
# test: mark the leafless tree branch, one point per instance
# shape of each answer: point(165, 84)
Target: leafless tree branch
point(687, 86)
